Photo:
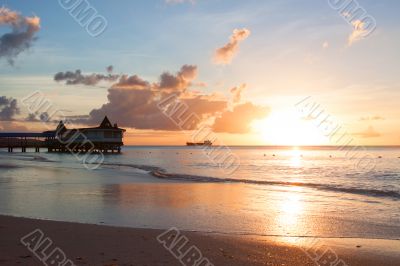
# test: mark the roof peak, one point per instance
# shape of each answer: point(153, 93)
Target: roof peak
point(106, 123)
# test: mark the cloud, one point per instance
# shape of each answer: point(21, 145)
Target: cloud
point(110, 69)
point(372, 118)
point(238, 121)
point(134, 103)
point(132, 82)
point(225, 54)
point(75, 78)
point(237, 93)
point(43, 117)
point(8, 108)
point(12, 127)
point(138, 108)
point(181, 80)
point(359, 31)
point(22, 35)
point(370, 132)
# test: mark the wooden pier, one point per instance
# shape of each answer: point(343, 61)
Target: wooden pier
point(23, 141)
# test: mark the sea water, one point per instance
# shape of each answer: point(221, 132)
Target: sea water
point(279, 191)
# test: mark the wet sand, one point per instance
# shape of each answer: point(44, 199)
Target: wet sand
point(88, 244)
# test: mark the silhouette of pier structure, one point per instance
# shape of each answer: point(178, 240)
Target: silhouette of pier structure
point(105, 138)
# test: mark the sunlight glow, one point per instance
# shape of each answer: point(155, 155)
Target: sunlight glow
point(290, 209)
point(295, 157)
point(286, 127)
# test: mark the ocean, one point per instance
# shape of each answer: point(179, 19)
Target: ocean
point(275, 191)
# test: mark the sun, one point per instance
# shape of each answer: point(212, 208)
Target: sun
point(286, 127)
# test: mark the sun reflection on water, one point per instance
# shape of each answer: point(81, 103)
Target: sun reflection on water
point(290, 210)
point(295, 157)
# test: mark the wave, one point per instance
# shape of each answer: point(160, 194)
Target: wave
point(30, 157)
point(160, 173)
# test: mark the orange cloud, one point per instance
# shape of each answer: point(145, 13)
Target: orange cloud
point(238, 120)
point(225, 54)
point(369, 133)
point(12, 127)
point(237, 93)
point(358, 33)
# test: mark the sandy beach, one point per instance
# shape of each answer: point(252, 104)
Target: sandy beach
point(86, 244)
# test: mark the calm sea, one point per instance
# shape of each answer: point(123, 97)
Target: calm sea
point(282, 191)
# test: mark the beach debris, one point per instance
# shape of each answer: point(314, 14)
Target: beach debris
point(379, 157)
point(25, 256)
point(358, 246)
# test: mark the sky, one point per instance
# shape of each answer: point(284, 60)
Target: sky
point(252, 72)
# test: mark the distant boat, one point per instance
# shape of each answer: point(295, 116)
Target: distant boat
point(205, 143)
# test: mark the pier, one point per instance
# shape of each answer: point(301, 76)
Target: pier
point(106, 138)
point(24, 141)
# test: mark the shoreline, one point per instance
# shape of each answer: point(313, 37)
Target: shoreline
point(217, 233)
point(89, 244)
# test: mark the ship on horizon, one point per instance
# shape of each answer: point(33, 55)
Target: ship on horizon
point(204, 143)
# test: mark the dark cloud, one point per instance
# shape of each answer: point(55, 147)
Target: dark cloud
point(138, 108)
point(8, 108)
point(31, 118)
point(132, 82)
point(180, 81)
point(22, 35)
point(75, 78)
point(135, 108)
point(238, 121)
point(110, 69)
point(43, 117)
